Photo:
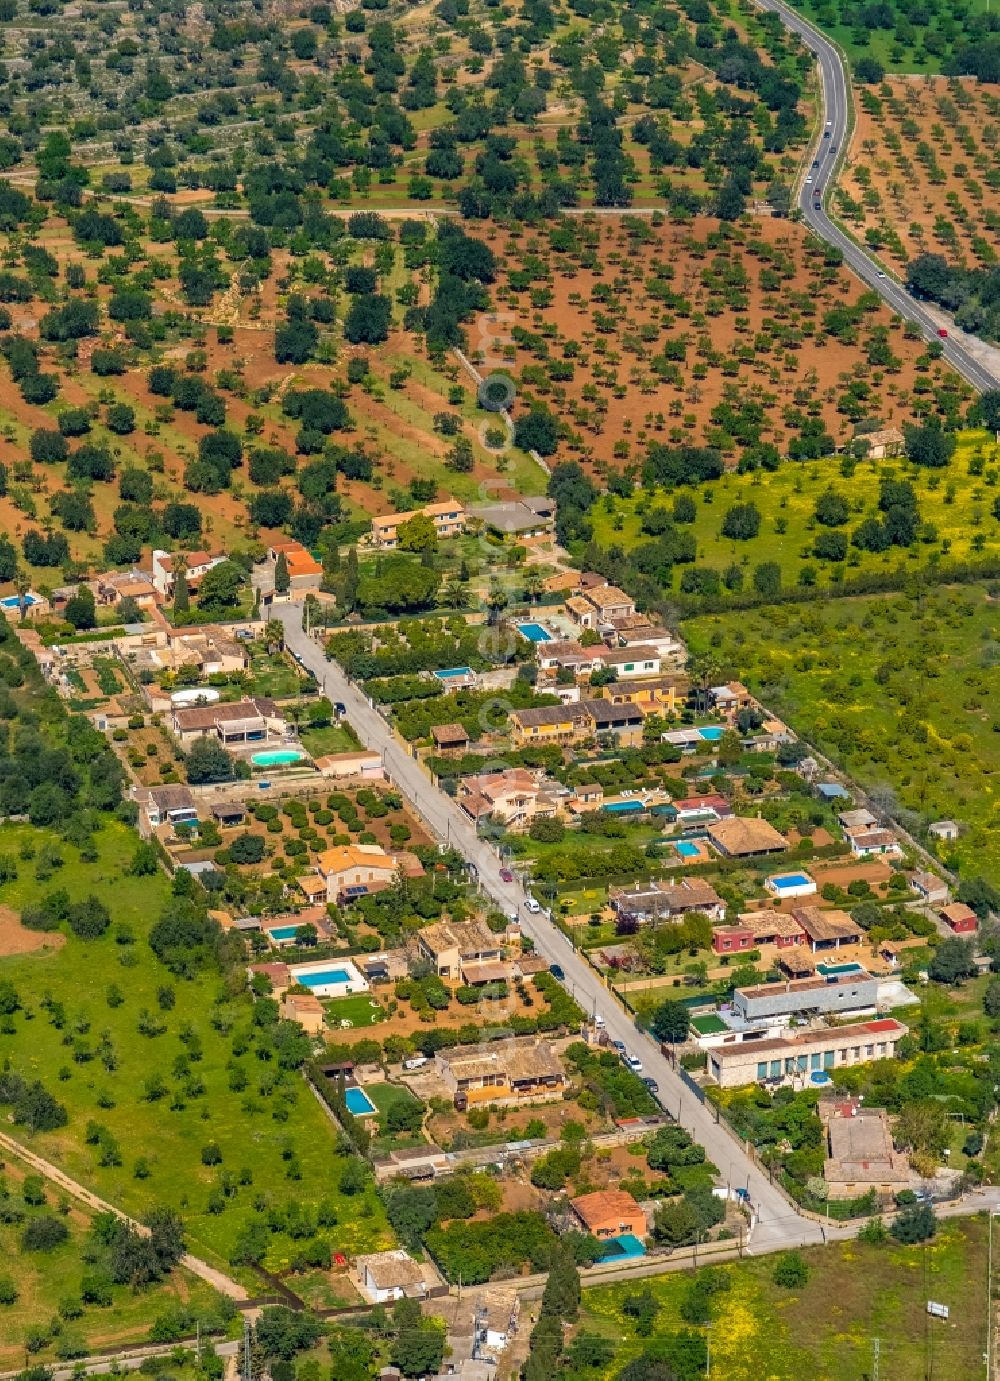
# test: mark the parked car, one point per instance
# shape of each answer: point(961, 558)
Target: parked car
point(557, 971)
point(506, 875)
point(619, 1046)
point(651, 1084)
point(531, 905)
point(633, 1062)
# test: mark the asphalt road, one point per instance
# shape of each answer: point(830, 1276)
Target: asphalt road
point(778, 1224)
point(818, 183)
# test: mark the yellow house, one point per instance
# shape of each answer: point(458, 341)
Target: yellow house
point(664, 695)
point(351, 870)
point(550, 724)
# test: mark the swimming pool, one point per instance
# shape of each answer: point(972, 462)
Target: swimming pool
point(534, 632)
point(687, 850)
point(711, 732)
point(358, 1103)
point(323, 978)
point(835, 970)
point(622, 1247)
point(277, 757)
point(449, 672)
point(283, 932)
point(623, 807)
point(14, 601)
point(791, 880)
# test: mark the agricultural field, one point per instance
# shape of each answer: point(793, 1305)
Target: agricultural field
point(167, 1102)
point(941, 36)
point(954, 505)
point(751, 340)
point(923, 172)
point(853, 1293)
point(900, 690)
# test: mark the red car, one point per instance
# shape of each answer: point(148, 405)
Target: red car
point(506, 875)
point(340, 1259)
point(943, 333)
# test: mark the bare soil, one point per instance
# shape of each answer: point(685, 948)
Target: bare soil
point(16, 939)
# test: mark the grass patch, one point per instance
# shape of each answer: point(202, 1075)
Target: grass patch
point(357, 1009)
point(254, 1126)
point(825, 1329)
point(902, 691)
point(334, 738)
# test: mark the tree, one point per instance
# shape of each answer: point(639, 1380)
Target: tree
point(220, 587)
point(869, 70)
point(767, 579)
point(368, 319)
point(247, 848)
point(208, 761)
point(929, 446)
point(791, 1271)
point(81, 609)
point(44, 1233)
point(89, 918)
point(954, 959)
point(832, 509)
point(676, 1223)
point(537, 431)
point(418, 534)
point(670, 1021)
point(182, 600)
point(561, 1296)
point(917, 1223)
point(282, 580)
point(282, 1332)
point(418, 1351)
point(742, 522)
point(980, 895)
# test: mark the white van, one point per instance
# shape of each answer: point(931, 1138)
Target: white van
point(415, 1062)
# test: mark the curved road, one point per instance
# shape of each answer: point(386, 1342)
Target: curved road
point(819, 181)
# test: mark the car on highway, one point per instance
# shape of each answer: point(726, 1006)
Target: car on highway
point(809, 179)
point(557, 971)
point(943, 333)
point(531, 905)
point(506, 875)
point(826, 134)
point(880, 274)
point(817, 206)
point(633, 1062)
point(815, 162)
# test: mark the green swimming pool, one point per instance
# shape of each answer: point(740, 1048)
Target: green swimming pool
point(278, 757)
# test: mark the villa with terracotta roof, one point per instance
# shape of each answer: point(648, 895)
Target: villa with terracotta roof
point(196, 565)
point(448, 518)
point(748, 837)
point(609, 1212)
point(353, 870)
point(304, 571)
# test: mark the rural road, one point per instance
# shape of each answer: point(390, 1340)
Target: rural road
point(819, 181)
point(778, 1224)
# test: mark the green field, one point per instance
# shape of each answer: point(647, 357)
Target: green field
point(357, 1010)
point(957, 505)
point(903, 691)
point(921, 48)
point(46, 1279)
point(335, 738)
point(855, 1294)
point(276, 1142)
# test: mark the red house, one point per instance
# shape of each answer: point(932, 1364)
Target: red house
point(959, 918)
point(732, 939)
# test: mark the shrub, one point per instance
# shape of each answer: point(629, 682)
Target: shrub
point(44, 1233)
point(791, 1271)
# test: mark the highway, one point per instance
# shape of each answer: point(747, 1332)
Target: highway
point(830, 146)
point(778, 1224)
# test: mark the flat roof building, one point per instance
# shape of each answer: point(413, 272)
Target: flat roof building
point(807, 1052)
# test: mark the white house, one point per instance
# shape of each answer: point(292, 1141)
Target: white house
point(388, 1276)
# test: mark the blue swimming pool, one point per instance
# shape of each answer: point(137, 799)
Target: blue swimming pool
point(712, 732)
point(321, 978)
point(13, 601)
point(687, 850)
point(278, 757)
point(623, 807)
point(283, 932)
point(622, 1247)
point(359, 1103)
point(790, 880)
point(449, 672)
point(837, 970)
point(534, 632)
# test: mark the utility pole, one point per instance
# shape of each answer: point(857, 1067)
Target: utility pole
point(875, 1345)
point(247, 1367)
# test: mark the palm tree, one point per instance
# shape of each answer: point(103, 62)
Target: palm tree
point(705, 670)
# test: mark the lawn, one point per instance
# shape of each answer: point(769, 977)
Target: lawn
point(956, 505)
point(271, 1133)
point(855, 1293)
point(902, 691)
point(44, 1279)
point(357, 1009)
point(335, 738)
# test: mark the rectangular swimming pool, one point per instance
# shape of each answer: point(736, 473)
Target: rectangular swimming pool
point(358, 1103)
point(687, 850)
point(837, 970)
point(325, 980)
point(711, 732)
point(623, 807)
point(322, 978)
point(534, 632)
point(791, 880)
point(449, 672)
point(623, 1247)
point(283, 932)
